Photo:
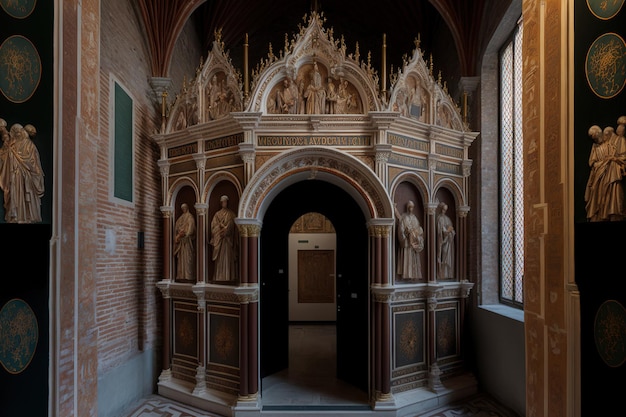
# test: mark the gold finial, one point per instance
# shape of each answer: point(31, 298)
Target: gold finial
point(417, 41)
point(218, 35)
point(431, 64)
point(439, 78)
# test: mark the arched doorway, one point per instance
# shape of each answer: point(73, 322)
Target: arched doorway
point(352, 282)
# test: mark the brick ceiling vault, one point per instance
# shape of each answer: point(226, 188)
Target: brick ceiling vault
point(164, 20)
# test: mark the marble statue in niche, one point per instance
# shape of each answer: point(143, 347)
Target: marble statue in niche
point(21, 174)
point(445, 243)
point(184, 248)
point(224, 242)
point(410, 243)
point(604, 194)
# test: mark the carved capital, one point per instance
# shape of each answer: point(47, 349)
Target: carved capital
point(246, 295)
point(167, 211)
point(382, 294)
point(200, 161)
point(164, 287)
point(380, 231)
point(249, 230)
point(201, 209)
point(467, 167)
point(164, 167)
point(431, 208)
point(200, 294)
point(463, 210)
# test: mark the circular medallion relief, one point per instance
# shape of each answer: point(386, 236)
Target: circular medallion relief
point(609, 331)
point(605, 65)
point(18, 9)
point(19, 334)
point(20, 69)
point(605, 9)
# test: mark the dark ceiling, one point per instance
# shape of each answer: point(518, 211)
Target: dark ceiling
point(454, 32)
point(364, 22)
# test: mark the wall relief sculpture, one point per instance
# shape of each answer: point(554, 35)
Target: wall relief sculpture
point(604, 194)
point(21, 174)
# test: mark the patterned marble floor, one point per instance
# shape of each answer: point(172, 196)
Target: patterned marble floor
point(309, 384)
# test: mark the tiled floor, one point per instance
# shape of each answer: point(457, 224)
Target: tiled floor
point(309, 384)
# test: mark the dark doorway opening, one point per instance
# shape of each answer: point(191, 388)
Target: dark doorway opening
point(351, 270)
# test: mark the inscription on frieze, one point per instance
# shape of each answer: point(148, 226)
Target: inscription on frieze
point(448, 168)
point(407, 142)
point(182, 150)
point(223, 142)
point(357, 140)
point(408, 161)
point(448, 151)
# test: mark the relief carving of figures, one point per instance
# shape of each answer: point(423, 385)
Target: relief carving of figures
point(220, 101)
point(400, 105)
point(21, 175)
point(445, 243)
point(287, 98)
point(224, 242)
point(416, 109)
point(315, 93)
point(184, 248)
point(604, 194)
point(411, 242)
point(331, 96)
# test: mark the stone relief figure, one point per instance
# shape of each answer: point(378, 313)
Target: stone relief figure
point(604, 194)
point(287, 98)
point(220, 102)
point(184, 252)
point(224, 242)
point(21, 174)
point(331, 96)
point(315, 93)
point(411, 242)
point(445, 243)
point(416, 109)
point(400, 105)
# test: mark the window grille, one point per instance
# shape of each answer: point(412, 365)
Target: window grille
point(511, 172)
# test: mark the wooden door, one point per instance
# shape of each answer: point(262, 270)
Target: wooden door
point(316, 276)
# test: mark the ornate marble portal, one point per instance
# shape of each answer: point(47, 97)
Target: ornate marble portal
point(316, 111)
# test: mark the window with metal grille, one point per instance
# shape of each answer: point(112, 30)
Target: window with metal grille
point(511, 172)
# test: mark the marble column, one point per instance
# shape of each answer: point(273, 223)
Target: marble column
point(201, 213)
point(434, 373)
point(431, 241)
point(381, 280)
point(248, 294)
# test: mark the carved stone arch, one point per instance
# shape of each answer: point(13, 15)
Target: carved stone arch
point(177, 185)
point(326, 164)
point(417, 181)
point(215, 179)
point(453, 188)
